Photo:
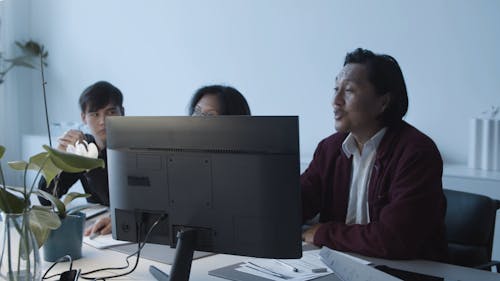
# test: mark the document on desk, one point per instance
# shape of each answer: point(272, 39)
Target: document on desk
point(350, 268)
point(103, 241)
point(306, 268)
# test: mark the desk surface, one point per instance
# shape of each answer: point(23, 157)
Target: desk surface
point(94, 258)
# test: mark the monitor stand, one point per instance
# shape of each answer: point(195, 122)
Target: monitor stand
point(186, 242)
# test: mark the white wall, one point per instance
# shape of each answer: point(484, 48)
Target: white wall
point(283, 55)
point(15, 92)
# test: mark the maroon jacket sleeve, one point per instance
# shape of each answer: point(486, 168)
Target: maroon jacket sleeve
point(310, 182)
point(315, 182)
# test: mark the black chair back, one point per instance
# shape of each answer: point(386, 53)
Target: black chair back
point(470, 225)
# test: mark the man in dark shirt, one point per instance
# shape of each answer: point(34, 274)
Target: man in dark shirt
point(376, 183)
point(98, 101)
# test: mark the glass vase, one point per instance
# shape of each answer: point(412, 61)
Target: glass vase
point(19, 255)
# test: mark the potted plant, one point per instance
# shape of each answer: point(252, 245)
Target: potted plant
point(30, 51)
point(27, 226)
point(68, 238)
point(34, 56)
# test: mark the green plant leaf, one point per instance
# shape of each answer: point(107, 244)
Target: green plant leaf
point(21, 191)
point(73, 195)
point(44, 215)
point(18, 165)
point(24, 61)
point(56, 202)
point(31, 47)
point(25, 64)
point(72, 163)
point(49, 170)
point(36, 163)
point(9, 203)
point(20, 45)
point(81, 207)
point(41, 233)
point(42, 220)
point(18, 189)
point(2, 151)
point(35, 166)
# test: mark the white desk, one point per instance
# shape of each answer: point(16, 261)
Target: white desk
point(94, 258)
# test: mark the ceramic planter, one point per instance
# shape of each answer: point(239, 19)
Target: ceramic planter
point(66, 240)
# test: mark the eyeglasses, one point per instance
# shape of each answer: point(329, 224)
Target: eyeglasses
point(198, 112)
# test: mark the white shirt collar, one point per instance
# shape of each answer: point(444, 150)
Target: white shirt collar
point(349, 146)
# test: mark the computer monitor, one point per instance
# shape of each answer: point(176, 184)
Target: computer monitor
point(233, 181)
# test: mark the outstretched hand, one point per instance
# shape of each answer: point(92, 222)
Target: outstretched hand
point(69, 137)
point(308, 235)
point(102, 226)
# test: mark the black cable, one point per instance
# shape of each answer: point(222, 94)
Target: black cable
point(61, 259)
point(138, 253)
point(115, 268)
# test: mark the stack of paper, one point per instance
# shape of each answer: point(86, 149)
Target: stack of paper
point(308, 267)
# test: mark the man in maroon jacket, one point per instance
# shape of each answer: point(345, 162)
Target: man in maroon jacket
point(376, 183)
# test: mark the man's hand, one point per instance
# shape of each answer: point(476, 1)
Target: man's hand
point(102, 226)
point(69, 137)
point(308, 235)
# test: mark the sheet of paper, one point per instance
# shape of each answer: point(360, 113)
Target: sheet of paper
point(103, 241)
point(275, 270)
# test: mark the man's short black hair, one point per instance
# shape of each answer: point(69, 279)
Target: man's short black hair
point(99, 95)
point(231, 101)
point(386, 76)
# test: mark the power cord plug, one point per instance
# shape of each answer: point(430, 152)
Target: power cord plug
point(70, 275)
